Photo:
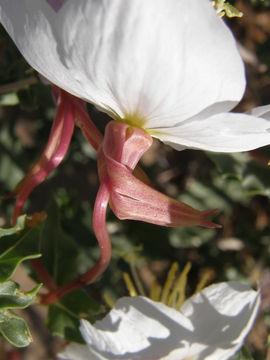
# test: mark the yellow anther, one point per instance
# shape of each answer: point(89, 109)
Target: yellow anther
point(108, 300)
point(129, 284)
point(169, 281)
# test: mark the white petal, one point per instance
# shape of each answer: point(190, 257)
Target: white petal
point(76, 352)
point(164, 61)
point(137, 328)
point(227, 132)
point(222, 316)
point(211, 325)
point(261, 111)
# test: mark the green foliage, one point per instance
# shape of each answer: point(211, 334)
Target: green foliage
point(62, 257)
point(20, 225)
point(65, 259)
point(66, 240)
point(240, 169)
point(61, 254)
point(12, 327)
point(16, 248)
point(64, 316)
point(263, 3)
point(17, 244)
point(243, 354)
point(12, 297)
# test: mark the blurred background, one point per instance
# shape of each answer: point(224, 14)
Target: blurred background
point(238, 184)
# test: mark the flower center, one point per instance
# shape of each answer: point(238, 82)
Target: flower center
point(134, 119)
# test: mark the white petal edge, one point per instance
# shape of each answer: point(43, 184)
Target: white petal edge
point(117, 55)
point(236, 306)
point(211, 325)
point(75, 352)
point(225, 132)
point(260, 111)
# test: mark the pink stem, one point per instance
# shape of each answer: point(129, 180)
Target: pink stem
point(257, 155)
point(43, 274)
point(52, 156)
point(14, 355)
point(100, 229)
point(99, 224)
point(84, 122)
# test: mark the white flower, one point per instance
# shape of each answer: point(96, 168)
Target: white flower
point(211, 325)
point(171, 67)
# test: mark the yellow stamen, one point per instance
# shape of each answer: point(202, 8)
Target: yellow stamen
point(129, 284)
point(169, 282)
point(155, 290)
point(108, 300)
point(137, 279)
point(182, 286)
point(204, 280)
point(179, 289)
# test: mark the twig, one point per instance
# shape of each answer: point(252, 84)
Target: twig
point(7, 88)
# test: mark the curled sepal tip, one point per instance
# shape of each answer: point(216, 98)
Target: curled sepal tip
point(132, 198)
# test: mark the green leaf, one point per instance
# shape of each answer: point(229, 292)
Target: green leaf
point(61, 254)
point(12, 297)
point(252, 176)
point(64, 317)
point(230, 165)
point(14, 329)
point(61, 322)
point(17, 248)
point(20, 225)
